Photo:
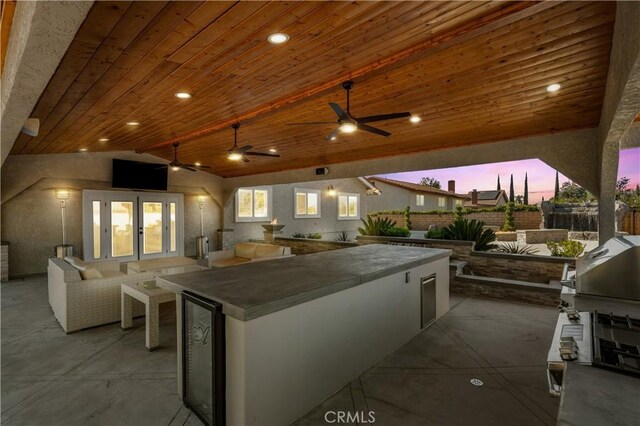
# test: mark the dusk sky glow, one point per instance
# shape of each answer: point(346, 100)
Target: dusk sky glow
point(541, 176)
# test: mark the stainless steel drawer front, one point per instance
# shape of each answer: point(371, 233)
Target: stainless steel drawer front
point(427, 300)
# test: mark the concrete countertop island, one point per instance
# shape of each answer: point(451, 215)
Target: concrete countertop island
point(298, 329)
point(252, 290)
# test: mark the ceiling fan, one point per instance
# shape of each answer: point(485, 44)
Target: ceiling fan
point(240, 153)
point(176, 164)
point(347, 123)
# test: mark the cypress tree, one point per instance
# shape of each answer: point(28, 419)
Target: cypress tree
point(512, 197)
point(498, 187)
point(556, 190)
point(526, 189)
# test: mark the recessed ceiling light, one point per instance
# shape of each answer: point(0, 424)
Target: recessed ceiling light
point(553, 87)
point(278, 38)
point(415, 119)
point(235, 156)
point(133, 123)
point(183, 95)
point(83, 150)
point(273, 150)
point(103, 140)
point(348, 127)
point(333, 138)
point(197, 164)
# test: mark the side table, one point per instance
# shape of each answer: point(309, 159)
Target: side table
point(152, 296)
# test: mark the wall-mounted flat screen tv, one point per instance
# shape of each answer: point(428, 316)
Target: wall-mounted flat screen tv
point(138, 175)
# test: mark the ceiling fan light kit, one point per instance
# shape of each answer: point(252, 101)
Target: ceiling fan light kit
point(240, 153)
point(348, 123)
point(176, 165)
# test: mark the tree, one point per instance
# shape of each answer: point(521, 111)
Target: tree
point(498, 186)
point(509, 221)
point(407, 218)
point(556, 189)
point(621, 185)
point(526, 189)
point(512, 197)
point(571, 191)
point(429, 181)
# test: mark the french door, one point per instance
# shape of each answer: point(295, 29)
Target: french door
point(131, 225)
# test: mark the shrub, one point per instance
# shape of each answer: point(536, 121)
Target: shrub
point(314, 236)
point(395, 231)
point(407, 218)
point(509, 220)
point(457, 214)
point(343, 236)
point(566, 248)
point(470, 230)
point(376, 227)
point(514, 248)
point(436, 234)
point(298, 235)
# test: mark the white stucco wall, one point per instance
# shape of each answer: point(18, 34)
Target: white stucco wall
point(395, 198)
point(283, 209)
point(31, 220)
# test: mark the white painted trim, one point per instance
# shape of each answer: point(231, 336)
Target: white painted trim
point(297, 191)
point(359, 204)
point(269, 217)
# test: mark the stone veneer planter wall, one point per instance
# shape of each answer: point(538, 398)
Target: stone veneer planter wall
point(307, 246)
point(531, 268)
point(461, 249)
point(421, 222)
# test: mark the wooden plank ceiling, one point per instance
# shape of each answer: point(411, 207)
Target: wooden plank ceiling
point(474, 72)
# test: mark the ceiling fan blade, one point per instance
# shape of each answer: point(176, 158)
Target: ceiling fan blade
point(342, 115)
point(184, 166)
point(262, 154)
point(196, 166)
point(333, 135)
point(371, 129)
point(245, 159)
point(382, 117)
point(244, 149)
point(311, 123)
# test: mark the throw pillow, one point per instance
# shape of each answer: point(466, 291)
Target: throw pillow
point(77, 263)
point(90, 274)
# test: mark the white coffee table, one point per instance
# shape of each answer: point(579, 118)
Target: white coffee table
point(152, 297)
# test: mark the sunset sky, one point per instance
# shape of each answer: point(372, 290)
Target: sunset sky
point(541, 176)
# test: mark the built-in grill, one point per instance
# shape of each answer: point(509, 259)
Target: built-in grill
point(616, 342)
point(602, 295)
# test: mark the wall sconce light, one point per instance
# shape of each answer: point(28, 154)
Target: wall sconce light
point(63, 196)
point(331, 191)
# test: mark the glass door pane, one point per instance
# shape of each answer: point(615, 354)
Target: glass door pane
point(121, 228)
point(173, 237)
point(152, 227)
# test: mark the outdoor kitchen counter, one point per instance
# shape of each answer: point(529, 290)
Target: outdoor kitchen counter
point(595, 396)
point(252, 290)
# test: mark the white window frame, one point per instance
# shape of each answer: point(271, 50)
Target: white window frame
point(348, 194)
point(420, 200)
point(137, 198)
point(442, 202)
point(306, 192)
point(253, 218)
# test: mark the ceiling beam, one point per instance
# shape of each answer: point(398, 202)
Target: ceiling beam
point(507, 14)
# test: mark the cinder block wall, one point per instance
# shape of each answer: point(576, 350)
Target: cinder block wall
point(421, 222)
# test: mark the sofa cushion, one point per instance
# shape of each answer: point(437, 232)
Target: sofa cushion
point(268, 250)
point(246, 250)
point(229, 262)
point(77, 263)
point(111, 274)
point(90, 273)
point(159, 263)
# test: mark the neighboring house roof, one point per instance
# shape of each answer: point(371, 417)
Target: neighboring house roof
point(488, 198)
point(416, 187)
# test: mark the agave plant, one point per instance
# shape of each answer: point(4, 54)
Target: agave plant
point(376, 227)
point(514, 248)
point(470, 230)
point(343, 236)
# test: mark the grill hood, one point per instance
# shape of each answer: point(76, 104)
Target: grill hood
point(611, 269)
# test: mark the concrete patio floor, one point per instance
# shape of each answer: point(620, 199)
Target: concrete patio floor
point(105, 376)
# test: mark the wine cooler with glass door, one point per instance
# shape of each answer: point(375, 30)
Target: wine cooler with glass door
point(203, 359)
